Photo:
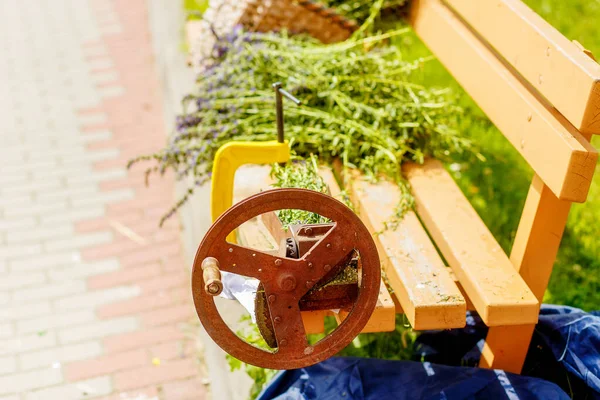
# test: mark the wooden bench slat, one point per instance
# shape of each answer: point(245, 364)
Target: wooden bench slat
point(557, 152)
point(384, 316)
point(385, 321)
point(420, 280)
point(497, 291)
point(554, 65)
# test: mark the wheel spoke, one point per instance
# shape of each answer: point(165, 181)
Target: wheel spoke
point(245, 261)
point(288, 324)
point(285, 279)
point(327, 257)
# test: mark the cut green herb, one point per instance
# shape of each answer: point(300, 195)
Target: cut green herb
point(359, 106)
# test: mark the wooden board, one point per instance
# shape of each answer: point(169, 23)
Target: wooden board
point(534, 251)
point(384, 320)
point(314, 321)
point(497, 291)
point(559, 69)
point(538, 237)
point(567, 162)
point(384, 316)
point(420, 280)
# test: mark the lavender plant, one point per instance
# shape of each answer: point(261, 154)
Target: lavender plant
point(360, 105)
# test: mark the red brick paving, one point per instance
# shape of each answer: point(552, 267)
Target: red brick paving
point(156, 360)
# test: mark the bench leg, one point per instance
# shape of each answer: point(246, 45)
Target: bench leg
point(506, 347)
point(533, 254)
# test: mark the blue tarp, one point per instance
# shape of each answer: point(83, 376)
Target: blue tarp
point(564, 357)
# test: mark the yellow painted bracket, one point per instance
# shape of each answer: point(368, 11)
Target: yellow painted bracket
point(228, 159)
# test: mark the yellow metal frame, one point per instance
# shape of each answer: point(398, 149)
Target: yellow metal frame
point(228, 159)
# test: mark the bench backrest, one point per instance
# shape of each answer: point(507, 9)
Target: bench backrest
point(536, 86)
point(541, 90)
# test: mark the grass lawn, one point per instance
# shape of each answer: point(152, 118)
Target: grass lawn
point(497, 188)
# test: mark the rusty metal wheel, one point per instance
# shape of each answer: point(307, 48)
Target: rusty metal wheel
point(286, 280)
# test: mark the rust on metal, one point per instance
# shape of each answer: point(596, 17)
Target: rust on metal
point(307, 235)
point(339, 292)
point(284, 285)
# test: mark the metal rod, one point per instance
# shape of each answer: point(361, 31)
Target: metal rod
point(290, 96)
point(279, 110)
point(279, 93)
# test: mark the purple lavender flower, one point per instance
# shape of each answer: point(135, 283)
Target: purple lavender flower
point(184, 122)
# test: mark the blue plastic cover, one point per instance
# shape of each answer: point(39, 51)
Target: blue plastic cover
point(564, 357)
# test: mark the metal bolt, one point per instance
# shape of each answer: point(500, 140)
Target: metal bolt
point(308, 231)
point(327, 268)
point(271, 298)
point(310, 265)
point(308, 350)
point(277, 320)
point(231, 250)
point(287, 282)
point(328, 245)
point(278, 262)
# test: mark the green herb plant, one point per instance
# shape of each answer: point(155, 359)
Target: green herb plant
point(359, 106)
point(301, 173)
point(359, 10)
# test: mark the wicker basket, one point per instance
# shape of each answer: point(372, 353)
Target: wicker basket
point(296, 16)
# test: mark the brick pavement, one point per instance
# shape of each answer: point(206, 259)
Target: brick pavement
point(94, 298)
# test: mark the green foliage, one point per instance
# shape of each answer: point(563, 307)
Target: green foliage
point(299, 174)
point(359, 10)
point(398, 344)
point(359, 105)
point(576, 19)
point(249, 332)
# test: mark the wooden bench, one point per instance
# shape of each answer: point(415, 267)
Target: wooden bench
point(543, 93)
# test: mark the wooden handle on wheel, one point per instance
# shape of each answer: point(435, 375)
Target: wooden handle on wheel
point(212, 276)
